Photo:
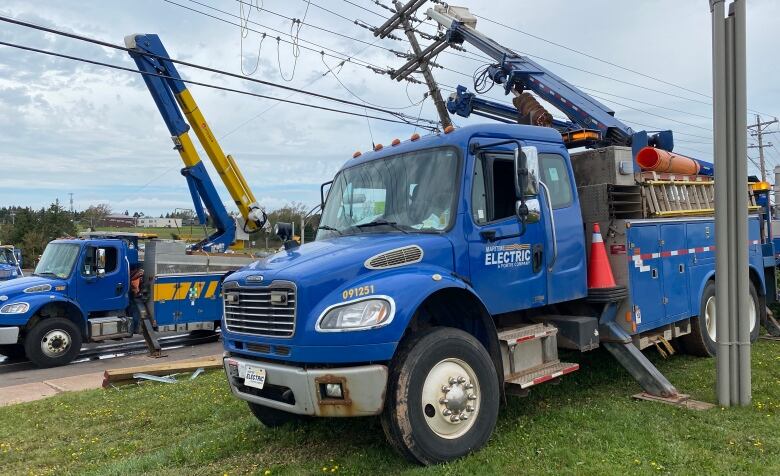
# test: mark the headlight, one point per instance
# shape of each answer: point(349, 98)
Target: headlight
point(15, 308)
point(357, 315)
point(40, 288)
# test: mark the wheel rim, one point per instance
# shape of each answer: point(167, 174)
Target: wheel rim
point(55, 343)
point(451, 398)
point(710, 318)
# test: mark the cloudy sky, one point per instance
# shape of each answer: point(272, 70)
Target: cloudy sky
point(69, 127)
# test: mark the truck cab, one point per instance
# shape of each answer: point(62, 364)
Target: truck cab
point(10, 263)
point(75, 281)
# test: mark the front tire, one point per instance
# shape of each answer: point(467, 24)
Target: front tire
point(442, 397)
point(701, 340)
point(53, 342)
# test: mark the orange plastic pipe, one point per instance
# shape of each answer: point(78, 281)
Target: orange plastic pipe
point(659, 160)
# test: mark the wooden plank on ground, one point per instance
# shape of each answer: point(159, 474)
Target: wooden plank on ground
point(125, 375)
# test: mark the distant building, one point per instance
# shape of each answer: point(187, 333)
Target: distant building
point(151, 222)
point(117, 220)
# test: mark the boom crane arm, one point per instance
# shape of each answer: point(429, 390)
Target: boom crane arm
point(175, 103)
point(592, 123)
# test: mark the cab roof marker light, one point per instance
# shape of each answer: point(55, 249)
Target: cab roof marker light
point(395, 142)
point(378, 147)
point(415, 137)
point(449, 129)
point(357, 154)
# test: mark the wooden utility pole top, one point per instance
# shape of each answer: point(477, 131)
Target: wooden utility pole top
point(758, 130)
point(433, 88)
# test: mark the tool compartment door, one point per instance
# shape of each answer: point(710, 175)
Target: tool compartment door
point(674, 269)
point(186, 298)
point(645, 276)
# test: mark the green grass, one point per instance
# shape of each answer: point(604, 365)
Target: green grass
point(586, 425)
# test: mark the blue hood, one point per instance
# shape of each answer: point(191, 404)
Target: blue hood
point(17, 286)
point(340, 259)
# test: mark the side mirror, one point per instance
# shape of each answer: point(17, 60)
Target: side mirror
point(324, 193)
point(526, 172)
point(100, 261)
point(527, 185)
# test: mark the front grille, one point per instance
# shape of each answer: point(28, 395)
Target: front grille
point(263, 311)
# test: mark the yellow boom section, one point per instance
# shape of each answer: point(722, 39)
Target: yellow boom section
point(225, 165)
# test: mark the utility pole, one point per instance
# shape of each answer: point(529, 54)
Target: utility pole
point(72, 212)
point(421, 57)
point(758, 130)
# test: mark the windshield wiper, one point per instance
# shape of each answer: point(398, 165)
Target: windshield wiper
point(380, 223)
point(46, 273)
point(329, 228)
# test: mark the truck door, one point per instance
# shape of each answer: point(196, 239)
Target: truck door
point(566, 273)
point(507, 270)
point(103, 278)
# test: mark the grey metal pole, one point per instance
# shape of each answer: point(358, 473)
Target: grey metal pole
point(776, 188)
point(740, 110)
point(717, 8)
point(732, 312)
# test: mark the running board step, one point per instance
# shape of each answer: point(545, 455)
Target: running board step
point(528, 347)
point(526, 333)
point(543, 374)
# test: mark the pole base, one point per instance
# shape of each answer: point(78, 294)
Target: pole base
point(680, 400)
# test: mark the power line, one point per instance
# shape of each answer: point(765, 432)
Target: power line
point(189, 64)
point(198, 83)
point(651, 113)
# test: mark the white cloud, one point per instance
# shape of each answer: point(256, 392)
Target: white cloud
point(71, 127)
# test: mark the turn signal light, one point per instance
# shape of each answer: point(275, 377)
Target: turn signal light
point(760, 186)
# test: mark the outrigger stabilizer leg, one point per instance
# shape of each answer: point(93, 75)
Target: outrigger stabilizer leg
point(147, 330)
point(621, 346)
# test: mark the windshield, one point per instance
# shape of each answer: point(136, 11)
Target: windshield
point(7, 256)
point(403, 193)
point(57, 260)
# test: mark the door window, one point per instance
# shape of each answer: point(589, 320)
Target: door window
point(493, 190)
point(90, 260)
point(555, 175)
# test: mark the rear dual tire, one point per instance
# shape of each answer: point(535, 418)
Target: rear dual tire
point(701, 340)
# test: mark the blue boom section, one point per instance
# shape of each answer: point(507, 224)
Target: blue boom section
point(165, 85)
point(519, 73)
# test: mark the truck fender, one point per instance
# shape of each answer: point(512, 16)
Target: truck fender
point(72, 310)
point(459, 298)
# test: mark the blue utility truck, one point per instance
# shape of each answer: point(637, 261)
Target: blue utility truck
point(10, 262)
point(100, 287)
point(449, 269)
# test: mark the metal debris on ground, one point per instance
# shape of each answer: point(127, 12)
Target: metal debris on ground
point(155, 378)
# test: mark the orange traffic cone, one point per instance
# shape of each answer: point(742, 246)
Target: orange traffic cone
point(599, 271)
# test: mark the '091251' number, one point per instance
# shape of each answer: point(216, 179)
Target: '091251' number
point(357, 292)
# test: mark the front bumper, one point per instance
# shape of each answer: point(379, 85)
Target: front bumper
point(299, 390)
point(9, 335)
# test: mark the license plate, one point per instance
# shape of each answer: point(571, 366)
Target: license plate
point(254, 377)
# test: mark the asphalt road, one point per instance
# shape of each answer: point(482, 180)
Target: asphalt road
point(24, 372)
